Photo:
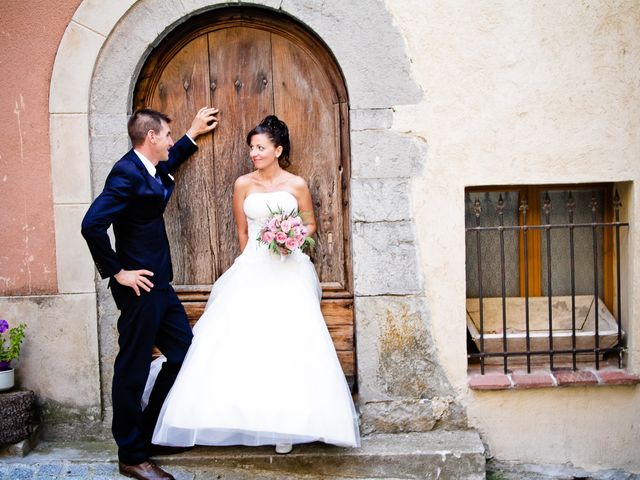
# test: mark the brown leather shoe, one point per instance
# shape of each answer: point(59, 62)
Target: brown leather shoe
point(145, 471)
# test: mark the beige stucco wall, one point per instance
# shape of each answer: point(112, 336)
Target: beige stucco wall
point(525, 93)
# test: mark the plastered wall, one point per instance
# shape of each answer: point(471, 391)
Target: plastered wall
point(524, 93)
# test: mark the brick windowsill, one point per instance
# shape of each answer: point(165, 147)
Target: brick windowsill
point(520, 379)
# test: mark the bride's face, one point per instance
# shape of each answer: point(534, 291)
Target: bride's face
point(263, 152)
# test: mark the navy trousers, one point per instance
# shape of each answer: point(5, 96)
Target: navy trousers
point(155, 318)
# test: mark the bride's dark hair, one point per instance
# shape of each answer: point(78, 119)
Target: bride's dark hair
point(278, 133)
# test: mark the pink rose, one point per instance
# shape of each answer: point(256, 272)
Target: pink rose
point(281, 237)
point(285, 225)
point(291, 243)
point(297, 221)
point(268, 236)
point(300, 239)
point(273, 226)
point(297, 230)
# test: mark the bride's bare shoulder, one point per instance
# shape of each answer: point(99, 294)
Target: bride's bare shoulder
point(242, 183)
point(244, 180)
point(297, 183)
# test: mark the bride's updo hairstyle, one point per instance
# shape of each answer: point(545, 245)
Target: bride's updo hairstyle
point(278, 133)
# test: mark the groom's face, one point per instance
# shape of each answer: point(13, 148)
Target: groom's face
point(162, 143)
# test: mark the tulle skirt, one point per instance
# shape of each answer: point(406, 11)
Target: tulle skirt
point(262, 368)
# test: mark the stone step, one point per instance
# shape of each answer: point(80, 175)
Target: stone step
point(438, 455)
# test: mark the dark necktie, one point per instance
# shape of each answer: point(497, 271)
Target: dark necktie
point(159, 180)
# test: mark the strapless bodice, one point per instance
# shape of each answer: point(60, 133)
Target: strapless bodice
point(256, 207)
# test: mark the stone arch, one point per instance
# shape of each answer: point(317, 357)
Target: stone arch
point(93, 79)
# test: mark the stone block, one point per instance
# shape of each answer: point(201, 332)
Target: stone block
point(615, 376)
point(70, 159)
point(398, 416)
point(370, 119)
point(108, 335)
point(21, 472)
point(489, 381)
point(101, 16)
point(374, 60)
point(380, 200)
point(532, 380)
point(18, 415)
point(578, 377)
point(107, 149)
point(73, 69)
point(105, 124)
point(385, 154)
point(385, 259)
point(61, 338)
point(71, 250)
point(396, 356)
point(441, 455)
point(23, 447)
point(148, 19)
point(99, 173)
point(64, 422)
point(116, 72)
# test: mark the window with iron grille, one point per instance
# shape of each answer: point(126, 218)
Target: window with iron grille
point(542, 275)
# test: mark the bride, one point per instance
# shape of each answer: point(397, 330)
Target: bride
point(262, 369)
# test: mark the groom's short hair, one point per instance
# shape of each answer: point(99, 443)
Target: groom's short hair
point(142, 121)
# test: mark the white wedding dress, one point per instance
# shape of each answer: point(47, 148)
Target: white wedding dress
point(262, 368)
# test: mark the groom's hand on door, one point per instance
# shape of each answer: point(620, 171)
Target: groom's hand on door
point(204, 121)
point(135, 279)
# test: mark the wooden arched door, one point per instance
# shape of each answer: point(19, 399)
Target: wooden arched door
point(250, 63)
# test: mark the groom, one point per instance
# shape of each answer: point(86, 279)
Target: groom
point(134, 198)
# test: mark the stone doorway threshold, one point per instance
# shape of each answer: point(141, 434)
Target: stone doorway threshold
point(443, 455)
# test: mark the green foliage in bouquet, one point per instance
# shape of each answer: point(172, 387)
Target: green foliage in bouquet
point(284, 231)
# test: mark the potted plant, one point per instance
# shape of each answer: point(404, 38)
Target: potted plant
point(8, 352)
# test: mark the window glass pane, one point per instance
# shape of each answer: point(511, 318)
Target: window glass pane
point(490, 245)
point(583, 243)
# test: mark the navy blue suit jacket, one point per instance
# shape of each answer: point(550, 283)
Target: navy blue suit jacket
point(134, 202)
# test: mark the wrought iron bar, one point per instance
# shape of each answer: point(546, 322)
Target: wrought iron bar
point(616, 207)
point(546, 207)
point(503, 275)
point(552, 226)
point(477, 208)
point(545, 352)
point(594, 208)
point(571, 208)
point(523, 208)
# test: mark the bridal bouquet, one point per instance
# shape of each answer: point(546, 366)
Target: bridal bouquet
point(284, 232)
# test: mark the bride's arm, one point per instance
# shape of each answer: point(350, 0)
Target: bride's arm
point(305, 205)
point(239, 194)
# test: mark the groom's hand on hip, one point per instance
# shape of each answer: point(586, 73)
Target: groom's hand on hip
point(135, 279)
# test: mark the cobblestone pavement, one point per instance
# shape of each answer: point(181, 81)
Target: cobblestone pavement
point(59, 470)
point(109, 471)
